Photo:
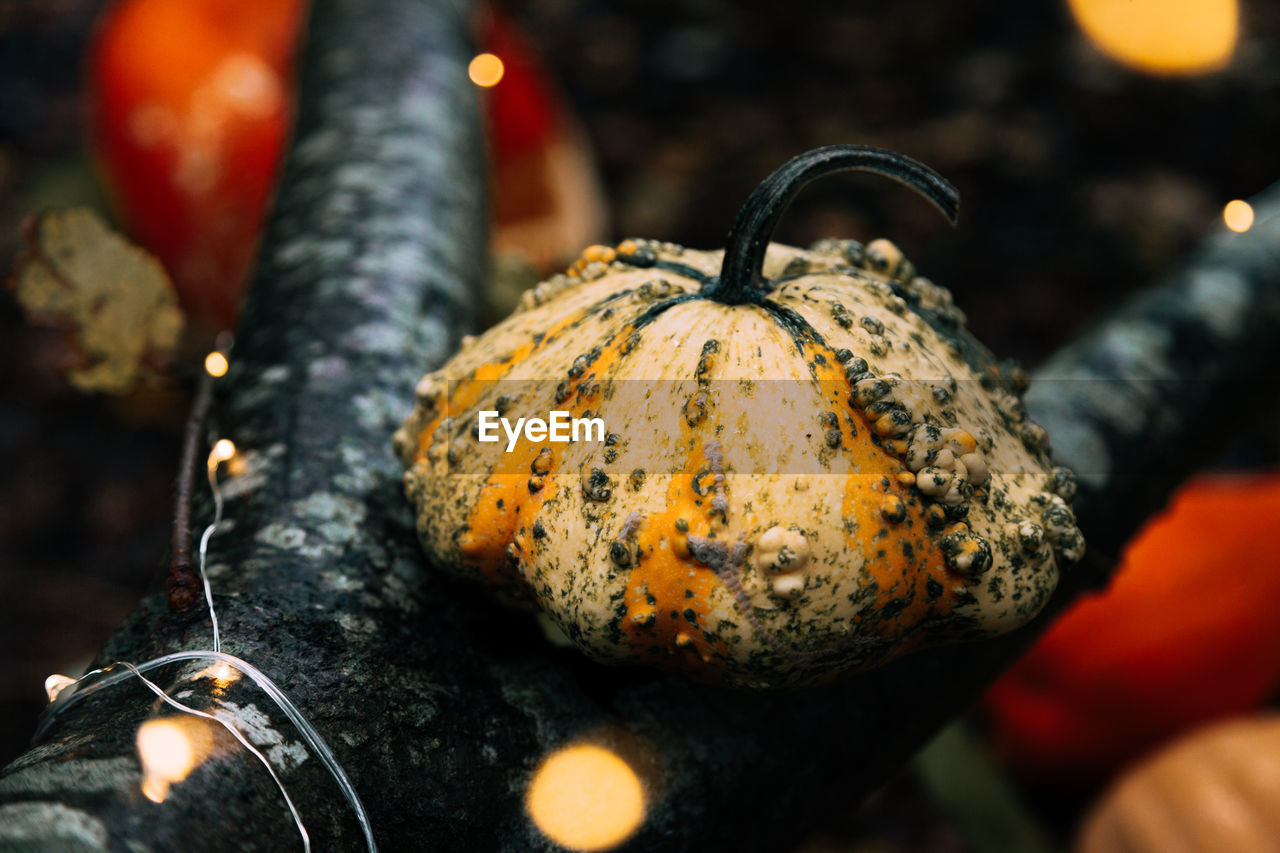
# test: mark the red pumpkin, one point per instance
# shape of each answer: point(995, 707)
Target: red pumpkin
point(190, 105)
point(190, 108)
point(546, 202)
point(1186, 633)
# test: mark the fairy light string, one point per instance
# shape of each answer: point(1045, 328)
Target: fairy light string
point(98, 679)
point(223, 451)
point(236, 733)
point(64, 691)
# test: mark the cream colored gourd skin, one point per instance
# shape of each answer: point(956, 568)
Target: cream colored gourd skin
point(787, 492)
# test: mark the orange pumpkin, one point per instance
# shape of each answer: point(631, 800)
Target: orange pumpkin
point(804, 466)
point(1215, 790)
point(1186, 632)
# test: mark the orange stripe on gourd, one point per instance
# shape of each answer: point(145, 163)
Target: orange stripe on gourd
point(465, 393)
point(508, 504)
point(666, 570)
point(873, 483)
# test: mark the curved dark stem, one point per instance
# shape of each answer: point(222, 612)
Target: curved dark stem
point(741, 278)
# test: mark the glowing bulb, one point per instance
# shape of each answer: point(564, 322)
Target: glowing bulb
point(169, 749)
point(585, 797)
point(485, 70)
point(1162, 36)
point(222, 674)
point(1238, 215)
point(215, 364)
point(222, 450)
point(55, 684)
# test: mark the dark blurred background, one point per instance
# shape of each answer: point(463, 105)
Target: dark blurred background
point(1082, 179)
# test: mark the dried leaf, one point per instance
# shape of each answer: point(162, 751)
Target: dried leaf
point(116, 298)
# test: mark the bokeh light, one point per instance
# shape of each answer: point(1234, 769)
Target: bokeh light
point(1238, 215)
point(215, 364)
point(169, 749)
point(586, 797)
point(1162, 36)
point(486, 70)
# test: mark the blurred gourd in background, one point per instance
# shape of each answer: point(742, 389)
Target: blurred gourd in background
point(1213, 790)
point(1186, 633)
point(546, 198)
point(190, 110)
